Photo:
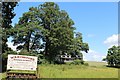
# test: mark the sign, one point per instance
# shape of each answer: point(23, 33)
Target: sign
point(21, 62)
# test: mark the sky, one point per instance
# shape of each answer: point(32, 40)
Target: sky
point(97, 21)
point(70, 0)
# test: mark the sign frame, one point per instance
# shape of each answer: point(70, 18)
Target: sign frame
point(18, 74)
point(21, 62)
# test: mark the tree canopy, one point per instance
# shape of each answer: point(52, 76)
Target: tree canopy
point(49, 28)
point(113, 56)
point(27, 33)
point(7, 16)
point(78, 45)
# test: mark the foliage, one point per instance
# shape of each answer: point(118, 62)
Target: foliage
point(7, 16)
point(58, 29)
point(45, 24)
point(104, 59)
point(113, 56)
point(86, 64)
point(78, 45)
point(77, 62)
point(4, 59)
point(25, 52)
point(40, 58)
point(44, 62)
point(27, 33)
point(49, 28)
point(6, 20)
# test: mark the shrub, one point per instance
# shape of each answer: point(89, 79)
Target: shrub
point(78, 62)
point(86, 64)
point(81, 61)
point(44, 61)
point(24, 52)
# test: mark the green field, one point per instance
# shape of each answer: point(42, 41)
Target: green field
point(94, 70)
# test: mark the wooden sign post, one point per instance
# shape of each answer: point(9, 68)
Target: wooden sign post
point(21, 66)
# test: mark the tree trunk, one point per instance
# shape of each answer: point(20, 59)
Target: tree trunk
point(27, 43)
point(46, 47)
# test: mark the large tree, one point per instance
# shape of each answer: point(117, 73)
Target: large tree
point(27, 33)
point(59, 28)
point(7, 16)
point(47, 24)
point(47, 27)
point(113, 56)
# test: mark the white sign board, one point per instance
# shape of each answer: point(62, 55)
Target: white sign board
point(21, 62)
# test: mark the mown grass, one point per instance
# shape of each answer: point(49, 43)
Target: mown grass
point(94, 70)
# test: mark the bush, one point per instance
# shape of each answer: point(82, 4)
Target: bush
point(24, 52)
point(81, 61)
point(44, 61)
point(78, 62)
point(86, 64)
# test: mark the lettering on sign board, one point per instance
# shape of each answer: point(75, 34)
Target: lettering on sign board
point(21, 62)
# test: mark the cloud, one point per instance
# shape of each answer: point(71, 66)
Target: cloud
point(93, 56)
point(112, 40)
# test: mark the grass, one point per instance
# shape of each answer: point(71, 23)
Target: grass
point(22, 71)
point(94, 70)
point(76, 71)
point(2, 75)
point(97, 64)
